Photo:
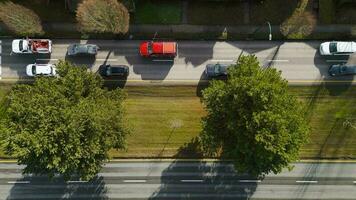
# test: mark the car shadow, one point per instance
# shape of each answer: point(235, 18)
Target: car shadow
point(335, 85)
point(82, 60)
point(41, 187)
point(210, 180)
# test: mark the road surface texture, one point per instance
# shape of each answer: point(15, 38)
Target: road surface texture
point(299, 62)
point(185, 180)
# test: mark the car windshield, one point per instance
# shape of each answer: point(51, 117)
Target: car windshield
point(149, 47)
point(333, 47)
point(217, 69)
point(20, 45)
point(33, 69)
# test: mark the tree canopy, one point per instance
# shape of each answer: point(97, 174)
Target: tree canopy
point(64, 125)
point(20, 20)
point(252, 119)
point(103, 16)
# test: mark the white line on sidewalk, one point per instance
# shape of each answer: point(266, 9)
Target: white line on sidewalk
point(250, 181)
point(49, 59)
point(192, 181)
point(77, 181)
point(134, 181)
point(214, 60)
point(103, 59)
point(163, 60)
point(18, 182)
point(336, 60)
point(306, 181)
point(278, 60)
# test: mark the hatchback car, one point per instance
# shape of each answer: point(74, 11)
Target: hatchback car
point(114, 70)
point(339, 70)
point(216, 70)
point(337, 48)
point(82, 49)
point(41, 70)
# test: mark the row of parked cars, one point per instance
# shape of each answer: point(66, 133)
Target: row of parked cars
point(153, 49)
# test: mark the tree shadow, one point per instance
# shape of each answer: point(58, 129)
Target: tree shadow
point(41, 187)
point(191, 149)
point(203, 180)
point(81, 60)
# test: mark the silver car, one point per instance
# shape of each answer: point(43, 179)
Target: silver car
point(82, 49)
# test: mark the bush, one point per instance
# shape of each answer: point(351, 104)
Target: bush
point(103, 16)
point(299, 25)
point(20, 20)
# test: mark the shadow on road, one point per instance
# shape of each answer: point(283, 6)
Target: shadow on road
point(202, 180)
point(41, 187)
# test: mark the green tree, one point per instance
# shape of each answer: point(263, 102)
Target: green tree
point(20, 20)
point(252, 119)
point(103, 16)
point(64, 125)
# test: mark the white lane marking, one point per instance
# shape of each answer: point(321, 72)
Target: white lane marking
point(336, 60)
point(278, 60)
point(163, 60)
point(47, 59)
point(18, 182)
point(306, 181)
point(134, 181)
point(192, 181)
point(250, 181)
point(214, 60)
point(77, 181)
point(103, 59)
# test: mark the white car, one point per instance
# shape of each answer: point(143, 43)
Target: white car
point(41, 69)
point(337, 48)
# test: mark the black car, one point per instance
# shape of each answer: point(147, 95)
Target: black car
point(339, 70)
point(114, 70)
point(216, 70)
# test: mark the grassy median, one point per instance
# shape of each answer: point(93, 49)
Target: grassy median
point(164, 120)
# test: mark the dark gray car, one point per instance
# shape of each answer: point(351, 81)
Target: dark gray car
point(339, 70)
point(216, 70)
point(82, 49)
point(114, 70)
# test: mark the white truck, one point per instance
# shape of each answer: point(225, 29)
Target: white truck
point(30, 46)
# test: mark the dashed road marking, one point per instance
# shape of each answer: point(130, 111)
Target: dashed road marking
point(77, 181)
point(336, 60)
point(192, 181)
point(134, 181)
point(306, 181)
point(18, 182)
point(215, 60)
point(250, 181)
point(278, 60)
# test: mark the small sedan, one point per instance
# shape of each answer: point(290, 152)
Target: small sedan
point(216, 70)
point(82, 49)
point(339, 70)
point(41, 70)
point(114, 70)
point(337, 48)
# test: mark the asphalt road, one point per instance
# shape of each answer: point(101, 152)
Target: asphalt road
point(185, 180)
point(299, 62)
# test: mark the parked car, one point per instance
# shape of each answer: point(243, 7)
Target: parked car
point(158, 49)
point(339, 70)
point(82, 49)
point(41, 70)
point(216, 70)
point(337, 48)
point(30, 46)
point(114, 70)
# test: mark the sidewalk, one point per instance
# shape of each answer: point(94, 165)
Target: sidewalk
point(186, 31)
